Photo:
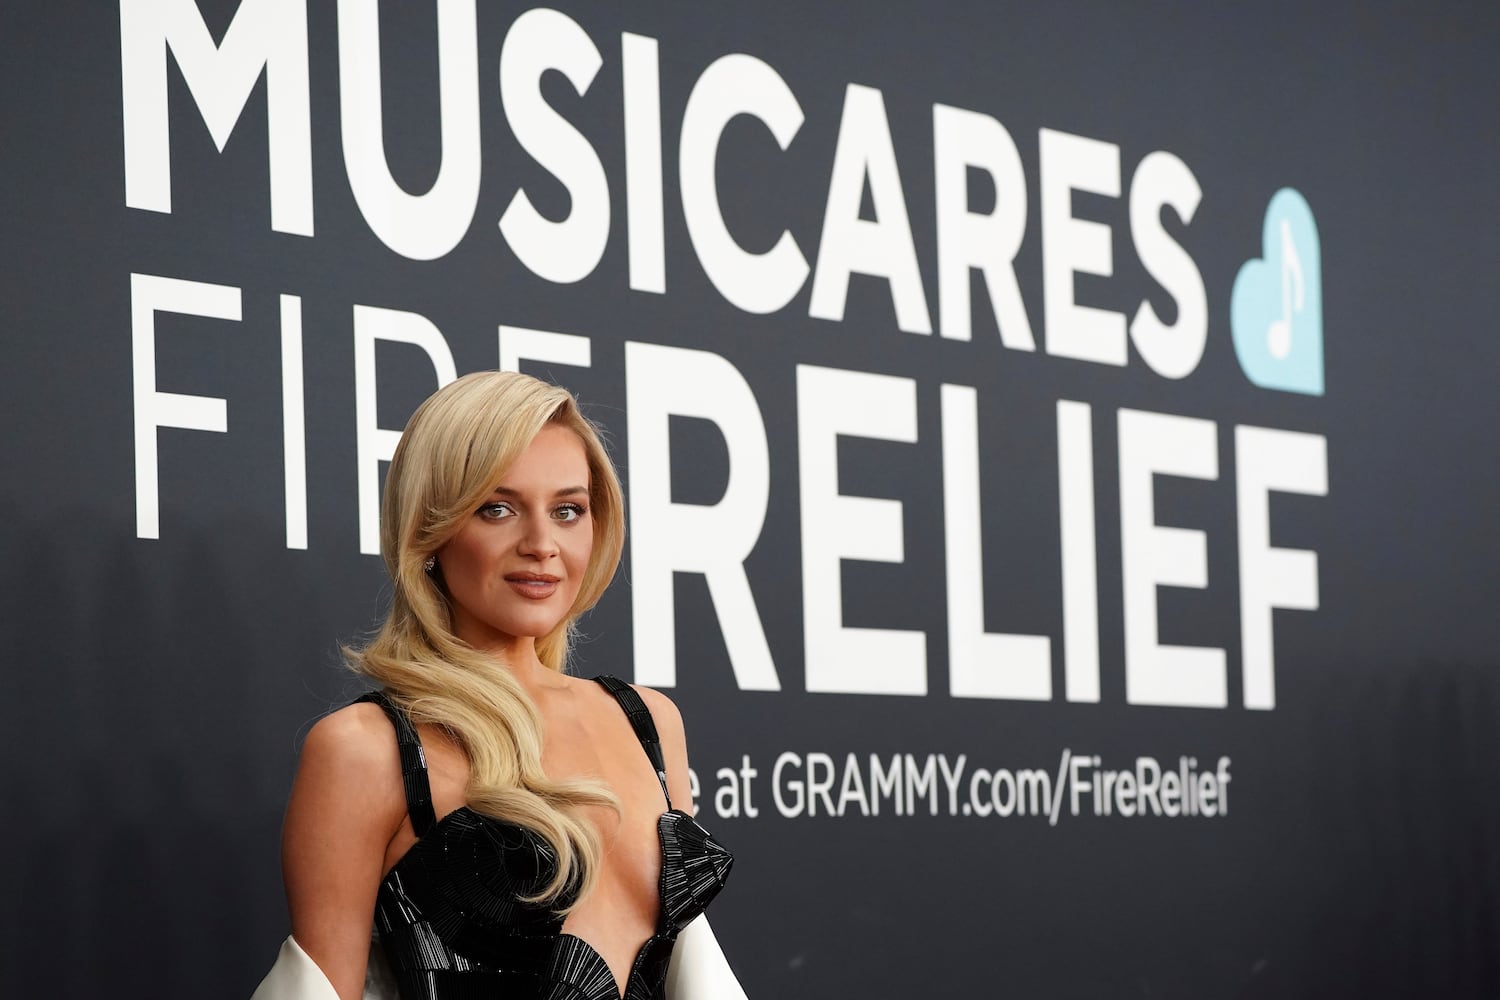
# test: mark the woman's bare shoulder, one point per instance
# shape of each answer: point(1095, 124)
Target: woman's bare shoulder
point(352, 753)
point(347, 797)
point(663, 712)
point(358, 735)
point(673, 744)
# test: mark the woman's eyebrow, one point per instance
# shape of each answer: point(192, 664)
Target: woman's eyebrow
point(566, 491)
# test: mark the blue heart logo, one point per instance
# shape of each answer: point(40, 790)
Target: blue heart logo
point(1276, 308)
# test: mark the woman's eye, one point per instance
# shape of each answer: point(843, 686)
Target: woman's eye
point(495, 511)
point(569, 512)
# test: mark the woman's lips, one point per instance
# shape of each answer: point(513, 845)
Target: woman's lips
point(537, 586)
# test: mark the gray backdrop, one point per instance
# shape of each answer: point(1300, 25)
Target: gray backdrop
point(161, 669)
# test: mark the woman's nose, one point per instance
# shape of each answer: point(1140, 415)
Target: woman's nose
point(540, 538)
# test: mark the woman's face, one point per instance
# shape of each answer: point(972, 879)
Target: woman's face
point(514, 568)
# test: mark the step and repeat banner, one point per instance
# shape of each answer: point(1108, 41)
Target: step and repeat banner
point(1059, 444)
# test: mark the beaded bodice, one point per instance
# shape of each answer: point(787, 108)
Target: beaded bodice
point(450, 914)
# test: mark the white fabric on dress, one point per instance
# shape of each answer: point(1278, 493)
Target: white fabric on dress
point(699, 970)
point(295, 976)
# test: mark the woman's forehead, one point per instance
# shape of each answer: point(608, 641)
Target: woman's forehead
point(554, 460)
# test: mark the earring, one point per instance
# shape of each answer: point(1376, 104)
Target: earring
point(430, 563)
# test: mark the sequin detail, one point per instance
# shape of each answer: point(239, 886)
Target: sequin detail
point(694, 867)
point(449, 914)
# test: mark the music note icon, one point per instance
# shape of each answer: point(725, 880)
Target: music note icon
point(1279, 333)
point(1276, 305)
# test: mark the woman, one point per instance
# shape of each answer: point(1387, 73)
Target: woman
point(503, 821)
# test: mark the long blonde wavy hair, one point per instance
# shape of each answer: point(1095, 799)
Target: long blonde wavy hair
point(455, 449)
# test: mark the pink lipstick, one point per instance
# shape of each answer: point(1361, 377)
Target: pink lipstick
point(537, 586)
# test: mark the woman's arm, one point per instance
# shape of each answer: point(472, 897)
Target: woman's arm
point(346, 805)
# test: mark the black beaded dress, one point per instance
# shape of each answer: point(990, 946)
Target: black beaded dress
point(449, 914)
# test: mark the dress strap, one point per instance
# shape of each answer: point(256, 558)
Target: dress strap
point(642, 723)
point(413, 763)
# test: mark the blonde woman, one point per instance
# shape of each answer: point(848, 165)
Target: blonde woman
point(512, 831)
